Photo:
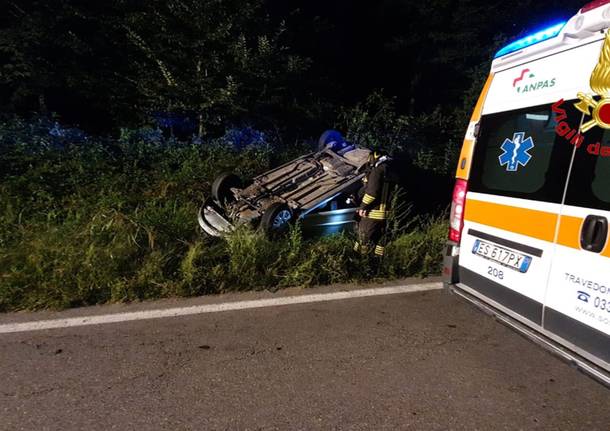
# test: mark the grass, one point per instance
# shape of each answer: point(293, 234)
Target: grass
point(115, 220)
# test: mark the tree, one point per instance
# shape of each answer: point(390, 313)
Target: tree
point(216, 58)
point(121, 60)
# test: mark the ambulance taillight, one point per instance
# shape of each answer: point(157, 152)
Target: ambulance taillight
point(456, 219)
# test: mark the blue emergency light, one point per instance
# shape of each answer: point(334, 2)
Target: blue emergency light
point(532, 39)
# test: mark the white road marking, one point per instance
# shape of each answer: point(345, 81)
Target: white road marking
point(211, 308)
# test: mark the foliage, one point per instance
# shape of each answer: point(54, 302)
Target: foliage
point(429, 139)
point(217, 58)
point(98, 220)
point(106, 65)
point(121, 61)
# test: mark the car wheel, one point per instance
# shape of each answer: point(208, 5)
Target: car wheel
point(222, 185)
point(277, 218)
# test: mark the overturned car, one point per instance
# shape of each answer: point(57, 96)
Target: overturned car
point(318, 189)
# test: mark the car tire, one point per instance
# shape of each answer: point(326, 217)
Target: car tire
point(277, 218)
point(222, 185)
point(329, 136)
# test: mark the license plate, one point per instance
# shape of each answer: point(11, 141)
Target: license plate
point(501, 255)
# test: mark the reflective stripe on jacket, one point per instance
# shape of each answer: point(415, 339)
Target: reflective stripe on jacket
point(376, 199)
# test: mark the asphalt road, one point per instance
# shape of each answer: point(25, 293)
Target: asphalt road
point(419, 361)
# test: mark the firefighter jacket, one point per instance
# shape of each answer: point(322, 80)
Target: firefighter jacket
point(376, 199)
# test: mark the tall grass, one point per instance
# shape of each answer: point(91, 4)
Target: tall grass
point(98, 220)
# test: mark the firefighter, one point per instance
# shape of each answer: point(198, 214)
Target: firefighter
point(375, 204)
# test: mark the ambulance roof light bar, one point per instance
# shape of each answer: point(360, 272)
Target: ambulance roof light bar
point(593, 5)
point(532, 39)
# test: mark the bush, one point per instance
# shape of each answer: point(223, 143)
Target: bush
point(104, 220)
point(418, 251)
point(429, 139)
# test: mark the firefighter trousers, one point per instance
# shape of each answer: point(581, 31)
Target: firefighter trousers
point(370, 235)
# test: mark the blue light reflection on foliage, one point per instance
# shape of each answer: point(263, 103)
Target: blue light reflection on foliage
point(71, 134)
point(243, 137)
point(47, 133)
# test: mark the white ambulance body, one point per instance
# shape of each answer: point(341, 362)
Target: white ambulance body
point(529, 222)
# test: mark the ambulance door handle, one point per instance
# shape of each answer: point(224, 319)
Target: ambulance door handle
point(594, 233)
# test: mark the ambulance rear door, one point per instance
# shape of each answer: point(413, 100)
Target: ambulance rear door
point(577, 305)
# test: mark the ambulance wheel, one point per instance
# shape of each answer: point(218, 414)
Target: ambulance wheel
point(277, 218)
point(329, 136)
point(222, 185)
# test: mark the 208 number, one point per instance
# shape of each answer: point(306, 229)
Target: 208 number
point(495, 272)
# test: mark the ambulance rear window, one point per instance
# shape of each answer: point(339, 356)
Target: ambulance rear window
point(590, 179)
point(601, 182)
point(518, 154)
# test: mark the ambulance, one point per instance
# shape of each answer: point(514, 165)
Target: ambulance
point(528, 240)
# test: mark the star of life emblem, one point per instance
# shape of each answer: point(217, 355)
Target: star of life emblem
point(516, 151)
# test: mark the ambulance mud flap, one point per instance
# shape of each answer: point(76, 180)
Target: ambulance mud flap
point(211, 219)
point(451, 260)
